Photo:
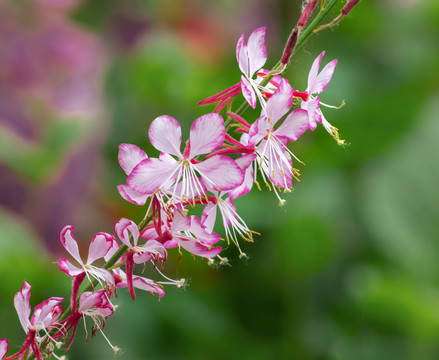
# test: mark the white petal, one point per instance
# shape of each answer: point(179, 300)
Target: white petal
point(242, 56)
point(129, 156)
point(70, 243)
point(165, 135)
point(207, 134)
point(99, 246)
point(257, 54)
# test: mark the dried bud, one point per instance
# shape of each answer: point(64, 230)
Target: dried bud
point(348, 7)
point(289, 47)
point(307, 12)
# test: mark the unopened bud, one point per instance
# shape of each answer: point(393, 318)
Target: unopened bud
point(348, 7)
point(289, 47)
point(307, 12)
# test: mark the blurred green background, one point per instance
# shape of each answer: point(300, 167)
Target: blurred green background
point(347, 269)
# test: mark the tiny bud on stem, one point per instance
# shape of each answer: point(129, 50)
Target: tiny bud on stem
point(307, 12)
point(344, 11)
point(348, 7)
point(289, 47)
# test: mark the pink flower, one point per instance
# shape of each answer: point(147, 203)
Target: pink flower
point(192, 177)
point(251, 57)
point(99, 247)
point(274, 157)
point(187, 232)
point(94, 305)
point(317, 82)
point(45, 317)
point(128, 233)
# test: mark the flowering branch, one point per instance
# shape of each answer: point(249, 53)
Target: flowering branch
point(201, 173)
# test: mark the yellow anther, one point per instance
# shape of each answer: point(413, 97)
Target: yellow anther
point(334, 133)
point(243, 255)
point(258, 186)
point(268, 185)
point(224, 261)
point(211, 262)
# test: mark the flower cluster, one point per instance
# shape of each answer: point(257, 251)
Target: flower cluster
point(220, 162)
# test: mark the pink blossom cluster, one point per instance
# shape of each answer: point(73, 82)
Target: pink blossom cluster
point(219, 163)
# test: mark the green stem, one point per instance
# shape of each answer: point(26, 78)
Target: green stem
point(309, 30)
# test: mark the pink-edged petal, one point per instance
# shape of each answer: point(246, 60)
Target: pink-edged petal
point(70, 243)
point(244, 163)
point(113, 249)
point(90, 299)
point(180, 222)
point(124, 228)
point(220, 173)
point(21, 303)
point(70, 269)
point(203, 236)
point(170, 244)
point(207, 134)
point(129, 156)
point(209, 216)
point(4, 346)
point(77, 281)
point(242, 55)
point(147, 285)
point(150, 175)
point(314, 70)
point(99, 246)
point(149, 233)
point(259, 130)
point(142, 258)
point(196, 248)
point(47, 312)
point(105, 310)
point(133, 196)
point(314, 113)
point(323, 79)
point(248, 92)
point(294, 125)
point(257, 54)
point(165, 135)
point(280, 102)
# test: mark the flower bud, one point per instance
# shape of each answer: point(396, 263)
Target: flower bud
point(348, 7)
point(307, 12)
point(289, 47)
